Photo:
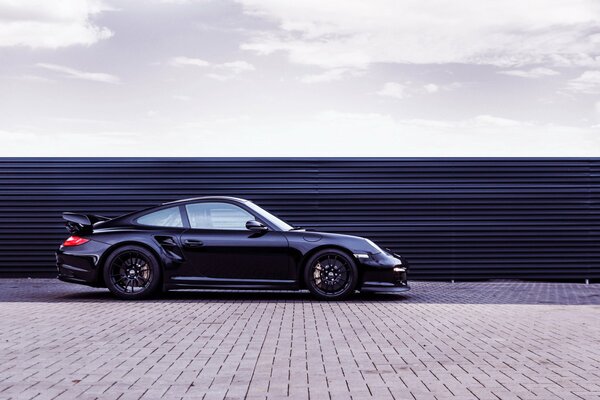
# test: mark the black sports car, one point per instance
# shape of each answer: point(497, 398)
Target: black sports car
point(220, 242)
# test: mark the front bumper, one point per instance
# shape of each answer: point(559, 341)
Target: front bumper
point(384, 289)
point(384, 273)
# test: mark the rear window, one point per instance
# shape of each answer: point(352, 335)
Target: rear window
point(168, 217)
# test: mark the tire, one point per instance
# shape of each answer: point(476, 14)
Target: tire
point(132, 273)
point(341, 278)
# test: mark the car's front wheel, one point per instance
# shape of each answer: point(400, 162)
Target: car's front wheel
point(331, 275)
point(132, 273)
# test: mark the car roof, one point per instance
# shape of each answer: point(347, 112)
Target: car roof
point(208, 198)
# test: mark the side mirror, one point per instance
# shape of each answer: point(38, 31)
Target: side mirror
point(256, 226)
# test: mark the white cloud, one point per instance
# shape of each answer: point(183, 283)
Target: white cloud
point(230, 70)
point(187, 61)
point(431, 88)
point(588, 82)
point(48, 24)
point(71, 120)
point(491, 121)
point(90, 144)
point(533, 73)
point(77, 74)
point(394, 89)
point(236, 67)
point(184, 1)
point(34, 78)
point(355, 33)
point(224, 71)
point(330, 75)
point(337, 133)
point(409, 89)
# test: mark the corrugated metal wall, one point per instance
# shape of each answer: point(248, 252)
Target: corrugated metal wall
point(452, 218)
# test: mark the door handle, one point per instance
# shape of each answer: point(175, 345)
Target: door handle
point(193, 243)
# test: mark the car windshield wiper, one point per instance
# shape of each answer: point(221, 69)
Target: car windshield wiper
point(297, 228)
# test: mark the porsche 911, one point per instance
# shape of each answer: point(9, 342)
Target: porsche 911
point(220, 243)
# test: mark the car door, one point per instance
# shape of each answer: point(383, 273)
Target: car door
point(219, 249)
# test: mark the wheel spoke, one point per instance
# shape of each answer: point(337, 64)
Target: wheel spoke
point(131, 271)
point(331, 274)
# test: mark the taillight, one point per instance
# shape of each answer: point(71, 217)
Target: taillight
point(75, 241)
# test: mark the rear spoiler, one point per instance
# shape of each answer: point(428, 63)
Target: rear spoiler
point(80, 222)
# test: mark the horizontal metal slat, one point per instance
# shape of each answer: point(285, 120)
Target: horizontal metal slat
point(454, 218)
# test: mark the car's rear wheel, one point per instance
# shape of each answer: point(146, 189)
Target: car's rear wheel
point(331, 275)
point(132, 273)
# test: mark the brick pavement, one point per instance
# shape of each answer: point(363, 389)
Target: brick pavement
point(498, 340)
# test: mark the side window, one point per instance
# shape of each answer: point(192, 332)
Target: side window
point(169, 217)
point(217, 216)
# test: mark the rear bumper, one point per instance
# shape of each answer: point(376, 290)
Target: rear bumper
point(70, 279)
point(80, 264)
point(75, 274)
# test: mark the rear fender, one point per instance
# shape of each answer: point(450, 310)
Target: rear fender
point(164, 260)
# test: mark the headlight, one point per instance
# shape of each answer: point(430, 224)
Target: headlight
point(377, 248)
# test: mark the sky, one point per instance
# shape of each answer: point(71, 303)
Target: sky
point(326, 78)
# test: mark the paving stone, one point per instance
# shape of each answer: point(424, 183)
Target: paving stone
point(472, 341)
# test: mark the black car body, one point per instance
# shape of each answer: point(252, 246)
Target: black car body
point(220, 242)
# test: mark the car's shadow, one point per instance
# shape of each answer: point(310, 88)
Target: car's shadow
point(210, 295)
point(503, 292)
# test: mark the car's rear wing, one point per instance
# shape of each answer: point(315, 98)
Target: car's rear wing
point(81, 222)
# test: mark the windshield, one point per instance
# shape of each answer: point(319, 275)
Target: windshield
point(280, 224)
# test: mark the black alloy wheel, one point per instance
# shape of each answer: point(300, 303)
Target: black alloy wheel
point(331, 275)
point(132, 272)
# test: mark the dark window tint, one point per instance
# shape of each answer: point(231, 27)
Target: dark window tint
point(217, 216)
point(170, 217)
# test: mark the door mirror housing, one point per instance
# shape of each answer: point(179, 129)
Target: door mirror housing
point(256, 226)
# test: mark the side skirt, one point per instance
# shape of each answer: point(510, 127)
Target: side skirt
point(198, 282)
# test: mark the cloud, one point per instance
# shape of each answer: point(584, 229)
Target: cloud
point(355, 33)
point(236, 67)
point(85, 143)
point(34, 78)
point(533, 73)
point(224, 71)
point(587, 83)
point(77, 74)
point(410, 89)
point(394, 89)
point(431, 88)
point(46, 24)
point(337, 133)
point(330, 75)
point(187, 61)
point(184, 1)
point(230, 70)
